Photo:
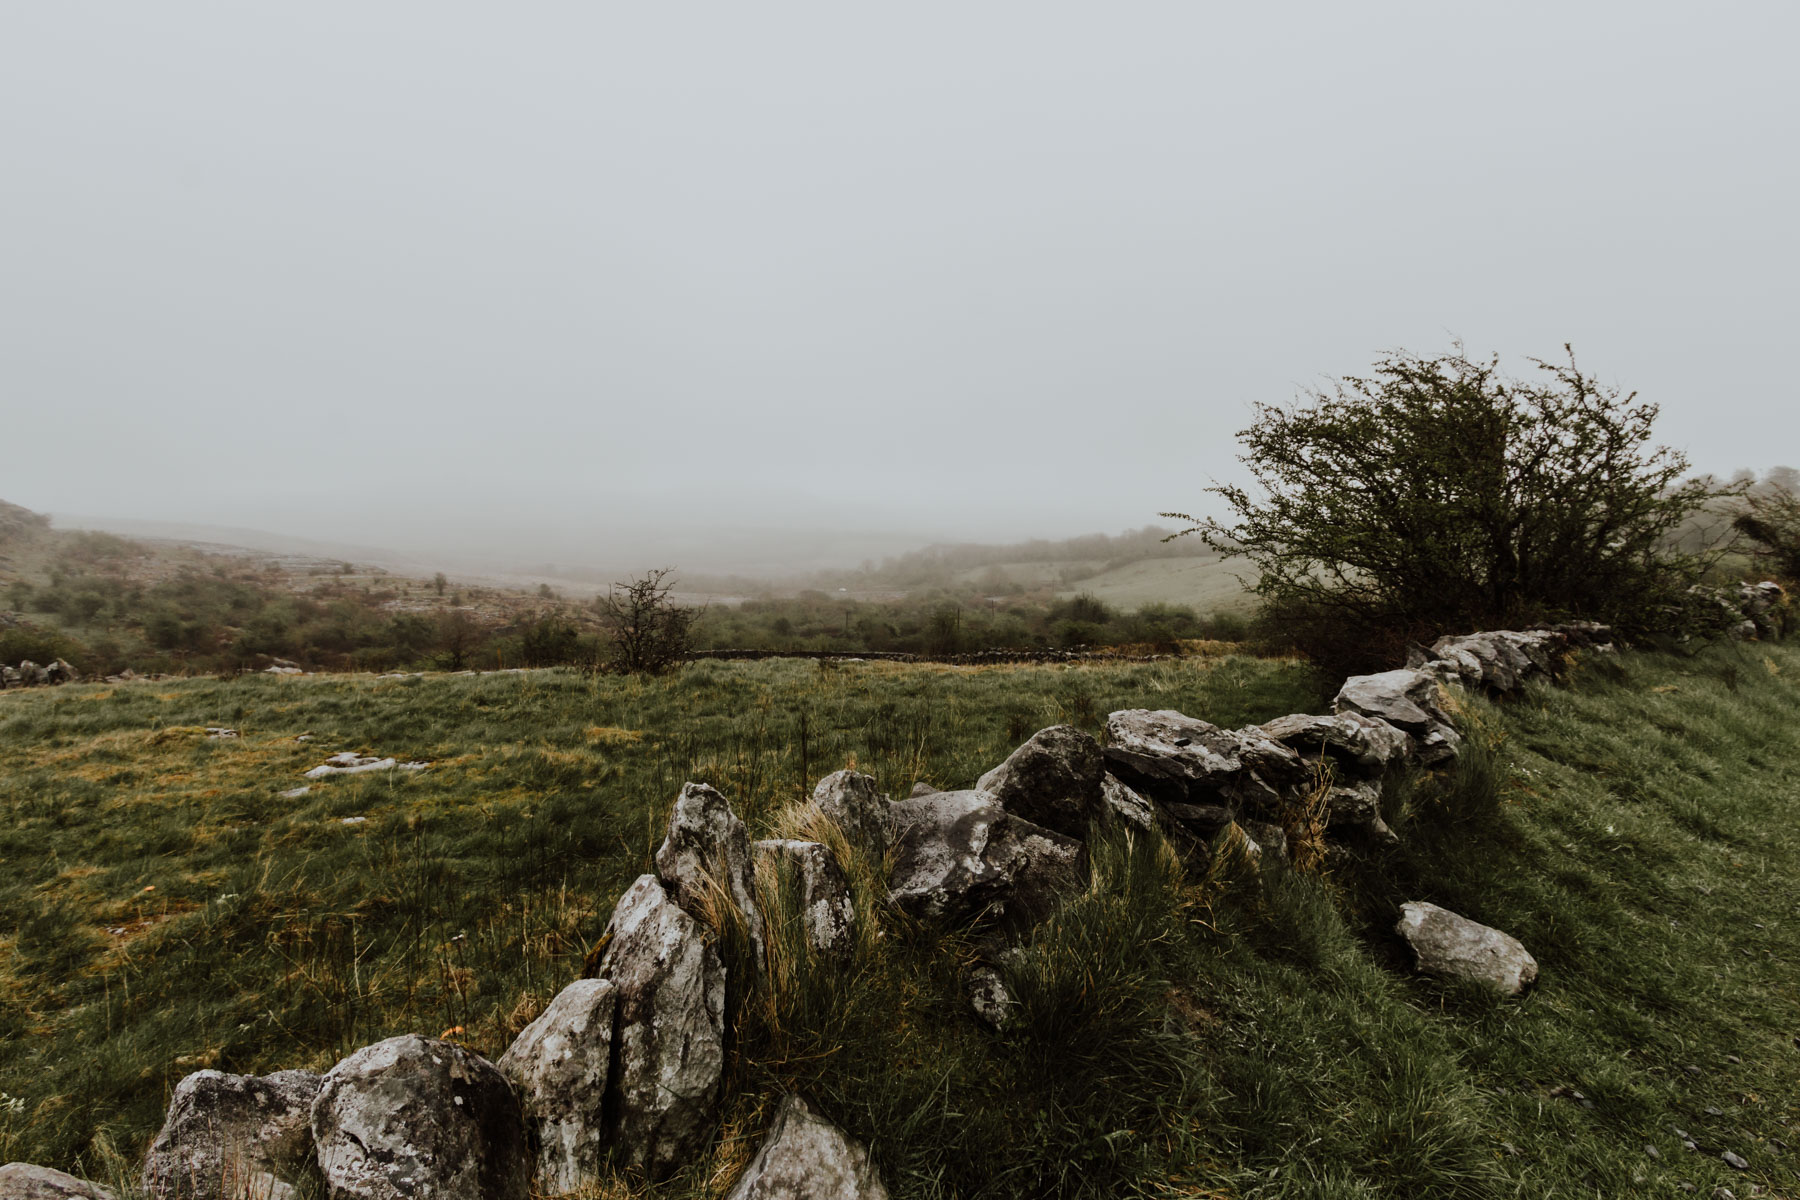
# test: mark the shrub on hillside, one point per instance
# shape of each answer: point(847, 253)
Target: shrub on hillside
point(1440, 495)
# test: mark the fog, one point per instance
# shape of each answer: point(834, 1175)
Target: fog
point(735, 282)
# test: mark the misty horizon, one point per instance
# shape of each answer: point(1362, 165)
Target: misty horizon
point(623, 286)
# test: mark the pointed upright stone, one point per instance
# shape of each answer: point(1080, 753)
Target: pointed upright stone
point(707, 841)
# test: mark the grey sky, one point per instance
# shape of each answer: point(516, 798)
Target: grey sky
point(540, 274)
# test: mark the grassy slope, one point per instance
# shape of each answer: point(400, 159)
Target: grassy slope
point(1183, 1036)
point(1209, 585)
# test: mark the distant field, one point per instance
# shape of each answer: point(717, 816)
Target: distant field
point(1208, 585)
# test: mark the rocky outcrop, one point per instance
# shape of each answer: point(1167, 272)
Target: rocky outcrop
point(856, 805)
point(560, 1067)
point(1408, 700)
point(351, 763)
point(669, 1055)
point(818, 885)
point(805, 1157)
point(707, 846)
point(1052, 780)
point(1455, 947)
point(413, 1117)
point(22, 1181)
point(960, 855)
point(232, 1137)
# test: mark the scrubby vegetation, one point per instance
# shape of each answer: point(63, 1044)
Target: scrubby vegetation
point(1207, 1030)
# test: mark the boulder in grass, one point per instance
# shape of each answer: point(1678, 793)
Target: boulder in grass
point(669, 1044)
point(707, 845)
point(415, 1117)
point(805, 1157)
point(231, 1136)
point(853, 802)
point(1053, 780)
point(560, 1067)
point(22, 1181)
point(1455, 947)
point(827, 915)
point(1358, 806)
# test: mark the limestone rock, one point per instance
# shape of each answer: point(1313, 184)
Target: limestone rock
point(22, 1181)
point(232, 1137)
point(350, 763)
point(828, 915)
point(669, 1051)
point(921, 788)
point(1358, 806)
point(959, 855)
point(1176, 759)
point(1265, 837)
point(414, 1117)
point(1126, 804)
point(1408, 700)
point(707, 840)
point(559, 1067)
point(859, 809)
point(1458, 948)
point(989, 997)
point(1052, 780)
point(805, 1157)
point(1363, 745)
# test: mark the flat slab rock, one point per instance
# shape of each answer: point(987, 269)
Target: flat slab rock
point(1367, 745)
point(1176, 759)
point(1455, 947)
point(414, 1117)
point(22, 1181)
point(228, 1136)
point(805, 1157)
point(560, 1066)
point(1408, 700)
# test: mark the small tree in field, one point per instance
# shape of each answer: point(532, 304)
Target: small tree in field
point(1771, 518)
point(1440, 495)
point(648, 630)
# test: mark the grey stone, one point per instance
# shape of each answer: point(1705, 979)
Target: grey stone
point(1176, 759)
point(1365, 745)
point(559, 1067)
point(857, 806)
point(707, 845)
point(959, 855)
point(1455, 947)
point(1052, 780)
point(415, 1117)
point(805, 1157)
point(235, 1137)
point(827, 913)
point(921, 788)
point(669, 1055)
point(992, 1001)
point(1733, 1160)
point(1126, 804)
point(1409, 701)
point(1201, 820)
point(22, 1181)
point(1264, 837)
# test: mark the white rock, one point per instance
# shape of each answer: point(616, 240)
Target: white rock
point(1458, 948)
point(805, 1157)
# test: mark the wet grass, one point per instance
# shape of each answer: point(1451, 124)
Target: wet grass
point(1187, 1029)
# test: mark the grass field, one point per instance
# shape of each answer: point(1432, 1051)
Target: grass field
point(1186, 1033)
point(1208, 585)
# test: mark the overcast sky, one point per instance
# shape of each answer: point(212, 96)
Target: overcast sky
point(535, 276)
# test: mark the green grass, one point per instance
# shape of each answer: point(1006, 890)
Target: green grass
point(1208, 585)
point(1208, 1031)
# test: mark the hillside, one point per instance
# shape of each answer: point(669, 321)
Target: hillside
point(1218, 1034)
